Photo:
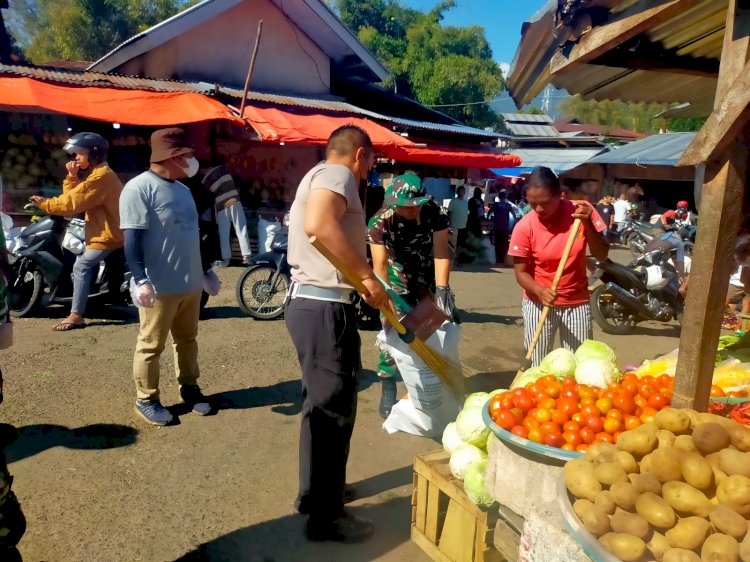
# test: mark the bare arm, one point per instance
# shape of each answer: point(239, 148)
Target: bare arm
point(379, 261)
point(597, 244)
point(524, 278)
point(441, 253)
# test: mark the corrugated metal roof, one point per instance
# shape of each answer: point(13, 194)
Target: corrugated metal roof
point(532, 130)
point(656, 150)
point(556, 158)
point(527, 118)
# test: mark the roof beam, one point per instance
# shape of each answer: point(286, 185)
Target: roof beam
point(630, 23)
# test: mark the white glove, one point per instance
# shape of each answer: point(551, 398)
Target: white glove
point(143, 295)
point(211, 283)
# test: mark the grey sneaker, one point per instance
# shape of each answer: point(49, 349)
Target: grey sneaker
point(153, 412)
point(192, 396)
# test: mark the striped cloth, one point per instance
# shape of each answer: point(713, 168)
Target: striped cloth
point(220, 183)
point(574, 323)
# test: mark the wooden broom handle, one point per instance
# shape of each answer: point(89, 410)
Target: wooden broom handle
point(356, 282)
point(555, 282)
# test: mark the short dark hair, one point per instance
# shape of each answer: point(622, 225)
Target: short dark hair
point(544, 178)
point(347, 139)
point(477, 192)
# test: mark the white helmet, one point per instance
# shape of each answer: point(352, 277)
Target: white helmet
point(654, 278)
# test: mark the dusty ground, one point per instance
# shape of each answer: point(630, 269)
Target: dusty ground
point(97, 484)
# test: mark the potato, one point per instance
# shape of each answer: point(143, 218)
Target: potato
point(592, 517)
point(720, 548)
point(608, 473)
point(665, 438)
point(580, 480)
point(630, 524)
point(686, 499)
point(627, 548)
point(696, 471)
point(605, 502)
point(726, 423)
point(656, 511)
point(649, 427)
point(710, 437)
point(728, 521)
point(601, 452)
point(734, 491)
point(680, 555)
point(734, 462)
point(673, 420)
point(627, 462)
point(658, 545)
point(689, 533)
point(691, 414)
point(625, 495)
point(739, 435)
point(714, 461)
point(637, 442)
point(685, 443)
point(664, 464)
point(646, 482)
point(745, 549)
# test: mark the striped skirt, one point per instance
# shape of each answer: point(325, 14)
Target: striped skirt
point(573, 322)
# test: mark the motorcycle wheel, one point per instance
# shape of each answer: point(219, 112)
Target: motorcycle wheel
point(25, 298)
point(602, 300)
point(689, 248)
point(255, 295)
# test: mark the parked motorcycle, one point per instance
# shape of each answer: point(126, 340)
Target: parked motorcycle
point(646, 289)
point(42, 269)
point(262, 288)
point(636, 235)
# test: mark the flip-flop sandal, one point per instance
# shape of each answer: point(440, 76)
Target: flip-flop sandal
point(68, 326)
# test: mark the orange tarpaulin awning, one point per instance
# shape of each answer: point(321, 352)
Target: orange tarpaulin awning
point(276, 125)
point(130, 107)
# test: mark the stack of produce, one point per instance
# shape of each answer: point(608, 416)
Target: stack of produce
point(675, 490)
point(466, 441)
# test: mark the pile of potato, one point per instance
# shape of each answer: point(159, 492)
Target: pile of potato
point(676, 490)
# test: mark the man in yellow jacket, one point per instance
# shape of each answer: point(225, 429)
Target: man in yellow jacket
point(98, 196)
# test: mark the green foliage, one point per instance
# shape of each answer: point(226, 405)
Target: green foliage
point(686, 124)
point(439, 65)
point(614, 113)
point(531, 111)
point(84, 29)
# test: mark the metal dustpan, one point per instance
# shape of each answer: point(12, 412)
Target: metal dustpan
point(424, 319)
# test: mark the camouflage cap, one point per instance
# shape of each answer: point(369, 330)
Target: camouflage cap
point(406, 191)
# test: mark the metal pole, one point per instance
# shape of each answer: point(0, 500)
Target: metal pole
point(252, 67)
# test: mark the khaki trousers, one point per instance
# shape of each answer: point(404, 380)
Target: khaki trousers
point(177, 314)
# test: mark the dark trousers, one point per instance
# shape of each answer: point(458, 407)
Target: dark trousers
point(328, 347)
point(502, 240)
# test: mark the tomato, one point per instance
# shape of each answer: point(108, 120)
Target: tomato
point(569, 392)
point(614, 387)
point(518, 414)
point(506, 419)
point(640, 401)
point(567, 446)
point(554, 389)
point(590, 410)
point(657, 401)
point(568, 381)
point(717, 391)
point(595, 423)
point(577, 417)
point(542, 416)
point(522, 400)
point(549, 427)
point(606, 437)
point(629, 377)
point(646, 390)
point(587, 392)
point(625, 403)
point(559, 417)
point(546, 380)
point(588, 401)
point(587, 435)
point(582, 448)
point(648, 414)
point(554, 439)
point(533, 388)
point(663, 381)
point(572, 438)
point(631, 422)
point(638, 412)
point(604, 405)
point(539, 396)
point(630, 386)
point(735, 394)
point(520, 430)
point(546, 404)
point(648, 379)
point(536, 435)
point(506, 402)
point(612, 425)
point(495, 406)
point(614, 413)
point(530, 423)
point(571, 426)
point(610, 394)
point(567, 405)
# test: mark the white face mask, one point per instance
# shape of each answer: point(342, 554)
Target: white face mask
point(192, 166)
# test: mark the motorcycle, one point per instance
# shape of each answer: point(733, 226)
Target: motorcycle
point(262, 288)
point(42, 269)
point(646, 289)
point(636, 235)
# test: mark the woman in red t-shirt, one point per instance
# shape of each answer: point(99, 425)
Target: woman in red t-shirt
point(537, 245)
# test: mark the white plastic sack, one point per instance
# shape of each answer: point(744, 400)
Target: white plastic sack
point(430, 406)
point(266, 232)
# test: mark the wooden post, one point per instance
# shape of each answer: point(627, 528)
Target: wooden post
point(720, 214)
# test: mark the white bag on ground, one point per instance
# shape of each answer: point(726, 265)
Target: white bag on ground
point(430, 406)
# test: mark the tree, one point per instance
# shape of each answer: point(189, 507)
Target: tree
point(686, 124)
point(83, 29)
point(638, 117)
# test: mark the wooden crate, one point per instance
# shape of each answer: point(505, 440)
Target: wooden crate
point(444, 522)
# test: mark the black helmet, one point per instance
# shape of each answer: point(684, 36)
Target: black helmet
point(96, 145)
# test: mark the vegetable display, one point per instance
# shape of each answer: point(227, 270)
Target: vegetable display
point(676, 489)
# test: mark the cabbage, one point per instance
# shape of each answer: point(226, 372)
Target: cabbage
point(451, 439)
point(529, 375)
point(462, 457)
point(471, 427)
point(477, 399)
point(596, 372)
point(559, 362)
point(591, 349)
point(475, 485)
point(496, 392)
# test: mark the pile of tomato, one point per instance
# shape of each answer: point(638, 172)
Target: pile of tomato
point(571, 416)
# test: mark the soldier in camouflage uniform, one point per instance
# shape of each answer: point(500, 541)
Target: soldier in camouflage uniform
point(408, 240)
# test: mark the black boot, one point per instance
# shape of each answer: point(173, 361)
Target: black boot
point(388, 398)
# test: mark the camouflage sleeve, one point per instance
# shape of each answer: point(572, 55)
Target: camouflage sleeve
point(438, 218)
point(376, 230)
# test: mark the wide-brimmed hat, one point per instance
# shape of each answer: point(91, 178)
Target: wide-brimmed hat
point(168, 143)
point(406, 191)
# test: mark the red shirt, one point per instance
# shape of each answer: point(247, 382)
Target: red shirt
point(542, 245)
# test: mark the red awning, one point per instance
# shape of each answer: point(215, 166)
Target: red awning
point(452, 157)
point(130, 107)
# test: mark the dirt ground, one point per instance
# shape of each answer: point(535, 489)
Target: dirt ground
point(98, 484)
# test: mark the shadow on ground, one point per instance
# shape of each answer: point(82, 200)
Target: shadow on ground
point(31, 440)
point(226, 312)
point(475, 317)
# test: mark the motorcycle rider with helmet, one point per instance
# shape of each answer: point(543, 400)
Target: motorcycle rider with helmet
point(669, 234)
point(97, 194)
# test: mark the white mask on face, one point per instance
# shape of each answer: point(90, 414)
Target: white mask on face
point(192, 166)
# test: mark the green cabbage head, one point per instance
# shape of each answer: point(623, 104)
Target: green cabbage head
point(451, 439)
point(471, 427)
point(559, 362)
point(529, 375)
point(475, 484)
point(592, 349)
point(476, 399)
point(462, 457)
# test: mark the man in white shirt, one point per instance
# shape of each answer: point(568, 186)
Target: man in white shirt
point(622, 206)
point(458, 216)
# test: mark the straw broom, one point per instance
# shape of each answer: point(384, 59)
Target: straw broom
point(545, 311)
point(447, 370)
